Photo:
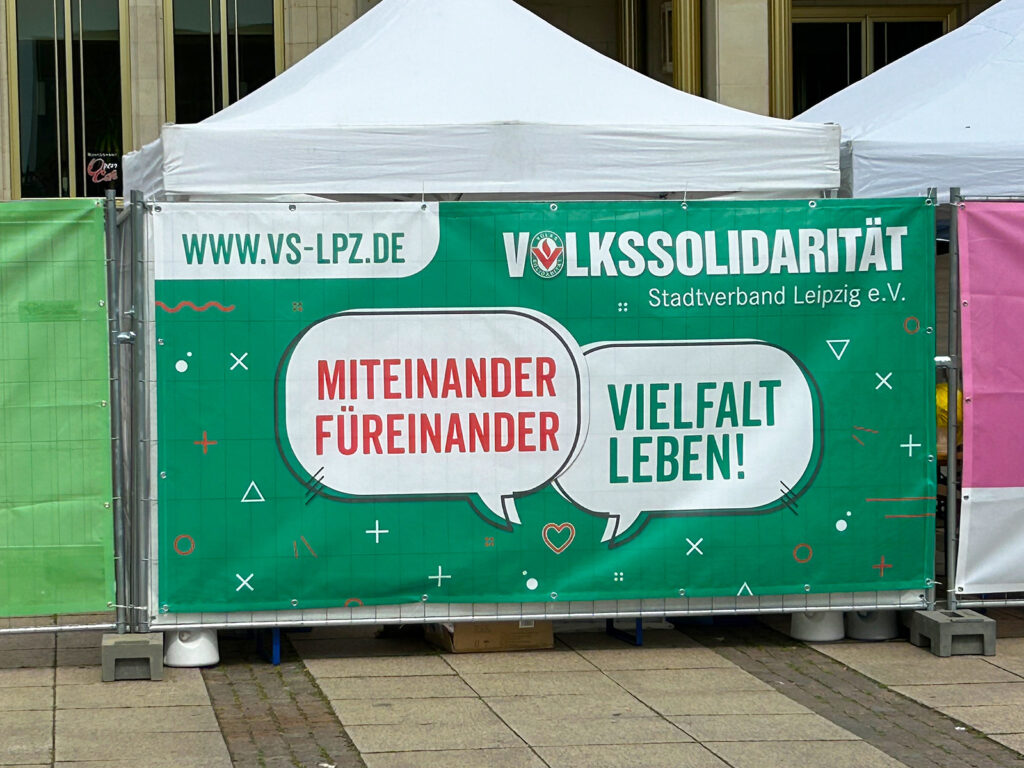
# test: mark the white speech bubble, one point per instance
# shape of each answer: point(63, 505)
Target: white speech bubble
point(481, 404)
point(693, 428)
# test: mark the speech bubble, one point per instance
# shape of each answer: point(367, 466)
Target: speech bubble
point(477, 404)
point(694, 428)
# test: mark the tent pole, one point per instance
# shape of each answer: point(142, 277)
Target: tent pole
point(953, 398)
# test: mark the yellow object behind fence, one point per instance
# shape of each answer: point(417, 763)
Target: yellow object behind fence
point(942, 410)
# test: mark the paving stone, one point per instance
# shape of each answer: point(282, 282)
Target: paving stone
point(899, 663)
point(653, 640)
point(30, 657)
point(537, 684)
point(519, 661)
point(805, 727)
point(567, 731)
point(654, 658)
point(29, 641)
point(180, 687)
point(155, 761)
point(360, 647)
point(901, 728)
point(618, 704)
point(1013, 663)
point(803, 754)
point(78, 657)
point(521, 757)
point(415, 687)
point(112, 744)
point(964, 695)
point(26, 737)
point(275, 716)
point(137, 720)
point(1014, 741)
point(1005, 718)
point(481, 733)
point(646, 755)
point(385, 666)
point(85, 675)
point(23, 678)
point(726, 703)
point(696, 680)
point(28, 698)
point(409, 711)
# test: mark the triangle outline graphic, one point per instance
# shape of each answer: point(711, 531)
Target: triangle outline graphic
point(746, 587)
point(838, 352)
point(252, 487)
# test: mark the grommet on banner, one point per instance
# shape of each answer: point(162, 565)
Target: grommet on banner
point(812, 203)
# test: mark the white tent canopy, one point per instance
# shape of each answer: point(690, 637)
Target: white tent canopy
point(478, 96)
point(947, 115)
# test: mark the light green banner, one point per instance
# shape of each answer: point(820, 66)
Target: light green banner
point(56, 551)
point(522, 402)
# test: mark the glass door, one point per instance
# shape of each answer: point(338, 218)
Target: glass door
point(68, 97)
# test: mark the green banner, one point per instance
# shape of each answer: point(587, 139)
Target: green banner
point(56, 551)
point(364, 404)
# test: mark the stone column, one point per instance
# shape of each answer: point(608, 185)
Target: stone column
point(736, 57)
point(148, 92)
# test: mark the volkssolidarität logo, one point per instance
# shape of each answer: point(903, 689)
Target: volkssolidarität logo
point(547, 254)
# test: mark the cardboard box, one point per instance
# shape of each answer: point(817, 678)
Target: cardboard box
point(476, 637)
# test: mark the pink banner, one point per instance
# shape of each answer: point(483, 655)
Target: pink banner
point(992, 293)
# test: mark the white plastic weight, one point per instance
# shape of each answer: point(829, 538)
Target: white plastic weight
point(191, 648)
point(817, 626)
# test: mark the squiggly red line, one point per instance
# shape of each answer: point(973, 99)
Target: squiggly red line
point(177, 307)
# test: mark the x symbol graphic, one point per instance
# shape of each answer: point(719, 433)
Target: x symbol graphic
point(883, 380)
point(238, 361)
point(245, 582)
point(694, 546)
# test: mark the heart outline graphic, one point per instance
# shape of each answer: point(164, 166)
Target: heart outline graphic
point(558, 528)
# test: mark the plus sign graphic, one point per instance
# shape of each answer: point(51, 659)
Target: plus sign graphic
point(205, 442)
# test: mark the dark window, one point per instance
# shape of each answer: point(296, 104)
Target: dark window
point(826, 59)
point(202, 44)
point(54, 133)
point(893, 39)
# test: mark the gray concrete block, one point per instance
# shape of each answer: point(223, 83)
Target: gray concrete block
point(954, 633)
point(133, 657)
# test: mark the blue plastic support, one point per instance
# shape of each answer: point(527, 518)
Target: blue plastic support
point(275, 646)
point(637, 638)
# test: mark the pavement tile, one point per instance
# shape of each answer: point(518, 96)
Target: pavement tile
point(28, 698)
point(518, 661)
point(646, 755)
point(79, 657)
point(414, 687)
point(408, 711)
point(22, 678)
point(534, 684)
point(802, 754)
point(618, 704)
point(339, 648)
point(964, 695)
point(724, 703)
point(25, 737)
point(900, 663)
point(806, 727)
point(653, 639)
point(1008, 646)
point(82, 675)
point(140, 747)
point(156, 761)
point(456, 758)
point(1000, 718)
point(1014, 741)
point(655, 658)
point(1013, 663)
point(85, 639)
point(687, 680)
point(27, 641)
point(137, 719)
point(386, 666)
point(29, 657)
point(567, 731)
point(481, 733)
point(180, 687)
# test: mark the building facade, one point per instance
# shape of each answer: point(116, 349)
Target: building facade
point(83, 81)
